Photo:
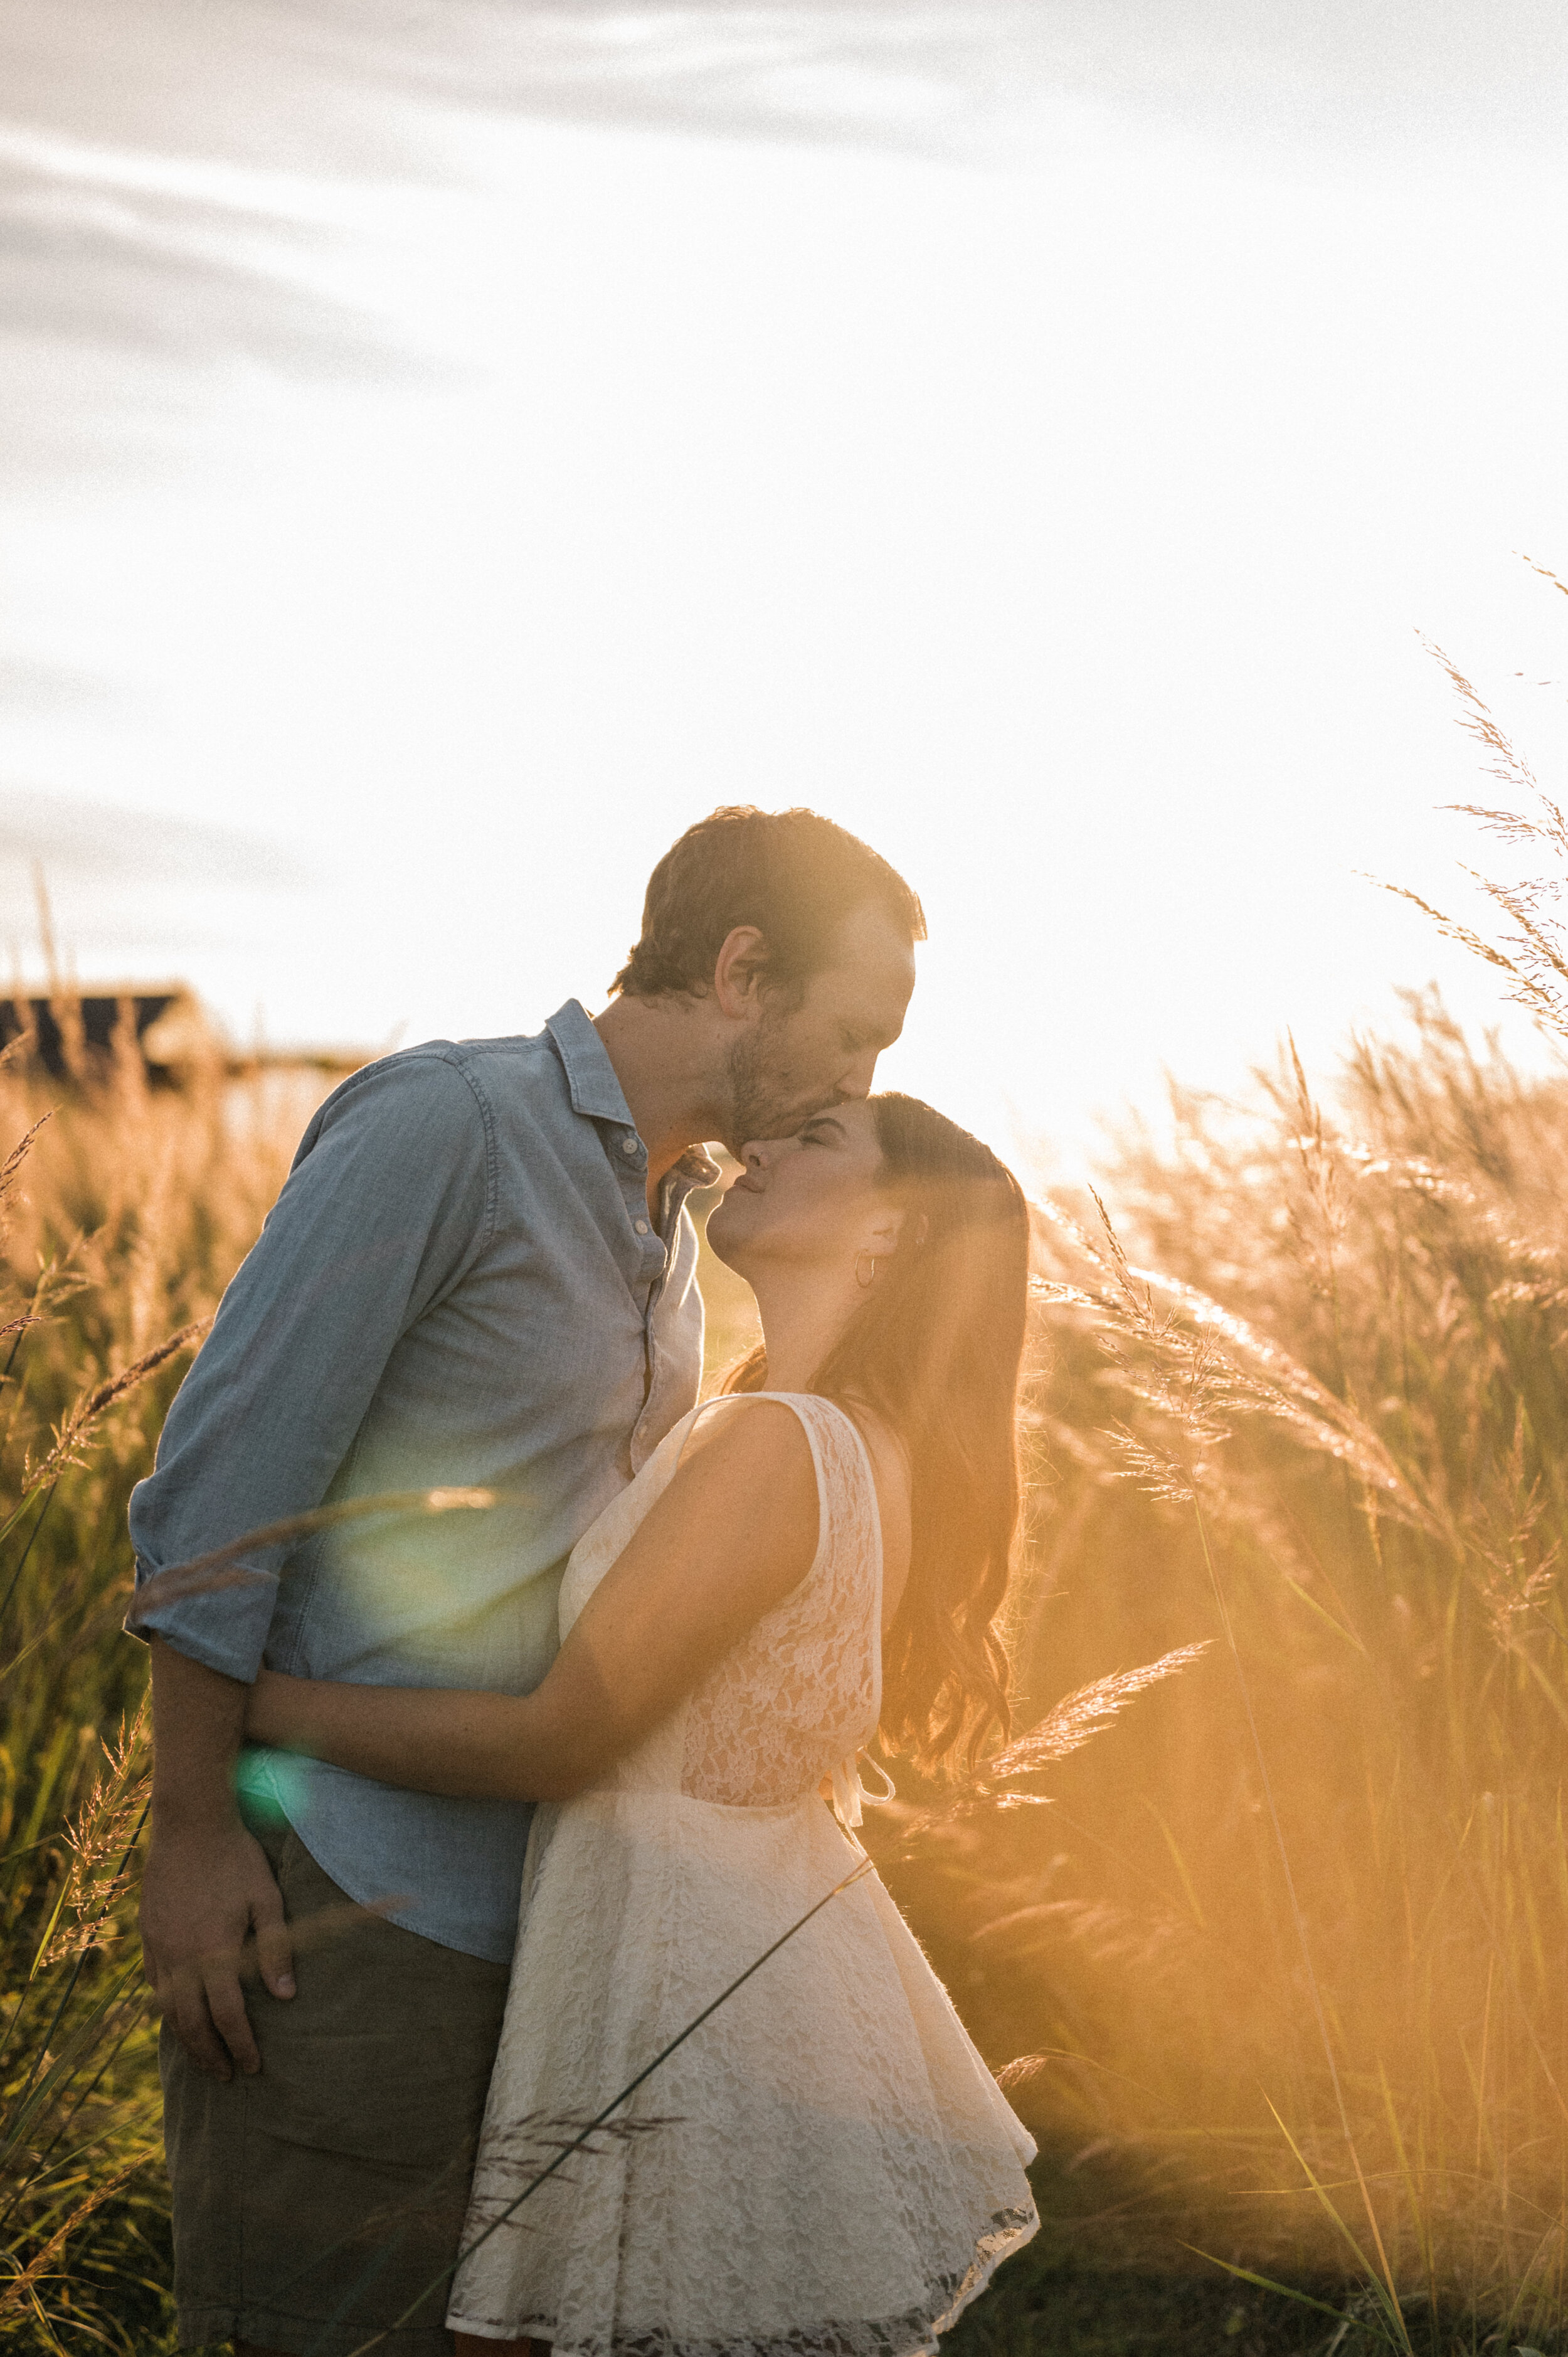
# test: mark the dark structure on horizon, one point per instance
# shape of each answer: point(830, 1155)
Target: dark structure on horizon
point(78, 1034)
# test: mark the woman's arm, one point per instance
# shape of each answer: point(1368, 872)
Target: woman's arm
point(734, 1533)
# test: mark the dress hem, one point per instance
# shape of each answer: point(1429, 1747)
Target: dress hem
point(912, 2334)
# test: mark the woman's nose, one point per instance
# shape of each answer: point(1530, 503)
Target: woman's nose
point(753, 1156)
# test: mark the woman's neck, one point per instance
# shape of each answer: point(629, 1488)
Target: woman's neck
point(800, 1323)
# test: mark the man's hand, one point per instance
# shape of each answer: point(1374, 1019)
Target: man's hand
point(206, 1888)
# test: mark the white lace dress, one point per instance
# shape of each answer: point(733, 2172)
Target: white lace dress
point(837, 2173)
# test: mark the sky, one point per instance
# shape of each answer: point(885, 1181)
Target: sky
point(447, 449)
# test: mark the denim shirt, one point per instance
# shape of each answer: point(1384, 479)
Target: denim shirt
point(459, 1284)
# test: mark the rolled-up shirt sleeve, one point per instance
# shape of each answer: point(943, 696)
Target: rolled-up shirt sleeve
point(389, 1199)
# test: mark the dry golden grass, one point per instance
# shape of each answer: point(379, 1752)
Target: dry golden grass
point(123, 1220)
point(1383, 1521)
point(1292, 1935)
point(1280, 1961)
point(1277, 1959)
point(1270, 1917)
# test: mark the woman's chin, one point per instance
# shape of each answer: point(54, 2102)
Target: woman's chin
point(724, 1242)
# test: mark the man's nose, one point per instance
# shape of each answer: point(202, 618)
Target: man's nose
point(856, 1081)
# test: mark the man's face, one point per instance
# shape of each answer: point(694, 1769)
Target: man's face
point(795, 1061)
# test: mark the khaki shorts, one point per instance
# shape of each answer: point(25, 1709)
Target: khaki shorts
point(313, 2202)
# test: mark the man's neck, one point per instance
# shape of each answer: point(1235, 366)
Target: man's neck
point(662, 1054)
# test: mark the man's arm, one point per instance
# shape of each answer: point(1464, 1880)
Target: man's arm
point(208, 1885)
point(385, 1205)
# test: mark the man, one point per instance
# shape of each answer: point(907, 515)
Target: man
point(480, 1272)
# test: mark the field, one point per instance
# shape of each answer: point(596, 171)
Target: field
point(1271, 1940)
point(1284, 1938)
point(126, 1216)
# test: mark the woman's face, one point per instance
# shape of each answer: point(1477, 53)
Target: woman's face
point(809, 1201)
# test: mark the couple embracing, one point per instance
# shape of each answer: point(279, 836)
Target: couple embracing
point(461, 1819)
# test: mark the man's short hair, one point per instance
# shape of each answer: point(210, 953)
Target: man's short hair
point(793, 875)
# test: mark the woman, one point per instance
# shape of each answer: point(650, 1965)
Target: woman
point(826, 2169)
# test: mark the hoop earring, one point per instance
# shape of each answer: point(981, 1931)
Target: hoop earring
point(865, 1282)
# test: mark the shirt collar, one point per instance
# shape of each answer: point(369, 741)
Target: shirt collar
point(590, 1075)
point(696, 1168)
point(597, 1094)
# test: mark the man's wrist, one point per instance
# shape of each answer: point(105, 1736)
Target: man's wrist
point(199, 1719)
point(212, 1808)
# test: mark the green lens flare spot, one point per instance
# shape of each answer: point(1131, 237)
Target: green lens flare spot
point(272, 1787)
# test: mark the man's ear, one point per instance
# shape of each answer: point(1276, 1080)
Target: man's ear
point(739, 970)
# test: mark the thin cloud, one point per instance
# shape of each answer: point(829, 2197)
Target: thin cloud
point(939, 73)
point(30, 690)
point(157, 162)
point(338, 85)
point(97, 842)
point(94, 251)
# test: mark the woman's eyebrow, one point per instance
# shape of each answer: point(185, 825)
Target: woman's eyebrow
point(827, 1121)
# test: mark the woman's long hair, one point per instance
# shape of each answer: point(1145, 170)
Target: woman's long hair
point(934, 1351)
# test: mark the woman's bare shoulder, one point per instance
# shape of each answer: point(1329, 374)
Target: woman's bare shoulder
point(746, 1427)
point(746, 1450)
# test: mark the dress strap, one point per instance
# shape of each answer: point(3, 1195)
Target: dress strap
point(852, 1795)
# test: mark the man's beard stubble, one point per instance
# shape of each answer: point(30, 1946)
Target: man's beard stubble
point(764, 1101)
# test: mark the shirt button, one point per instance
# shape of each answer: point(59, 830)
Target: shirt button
point(642, 1227)
point(629, 1145)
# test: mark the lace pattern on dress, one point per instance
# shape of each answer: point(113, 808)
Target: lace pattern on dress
point(831, 2171)
point(802, 1691)
point(912, 2333)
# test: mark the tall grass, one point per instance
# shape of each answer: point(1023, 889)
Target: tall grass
point(1278, 1960)
point(1285, 1957)
point(124, 1219)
